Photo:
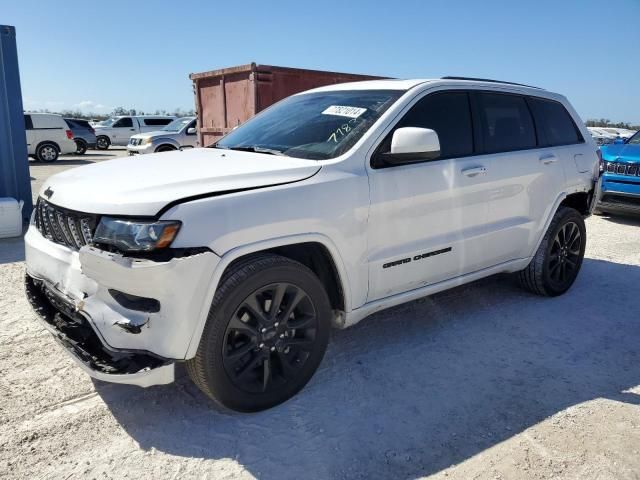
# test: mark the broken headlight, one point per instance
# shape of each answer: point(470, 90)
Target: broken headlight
point(136, 235)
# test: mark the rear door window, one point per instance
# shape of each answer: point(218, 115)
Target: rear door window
point(506, 122)
point(555, 123)
point(152, 122)
point(28, 123)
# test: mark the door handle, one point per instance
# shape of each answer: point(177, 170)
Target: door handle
point(474, 171)
point(547, 159)
point(132, 129)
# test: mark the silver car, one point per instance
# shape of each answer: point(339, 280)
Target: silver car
point(178, 135)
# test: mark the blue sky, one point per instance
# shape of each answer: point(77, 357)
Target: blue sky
point(97, 56)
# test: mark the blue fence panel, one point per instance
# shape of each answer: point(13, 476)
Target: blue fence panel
point(15, 180)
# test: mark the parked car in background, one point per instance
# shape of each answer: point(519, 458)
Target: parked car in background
point(622, 133)
point(48, 136)
point(620, 188)
point(600, 136)
point(324, 208)
point(83, 134)
point(118, 130)
point(178, 135)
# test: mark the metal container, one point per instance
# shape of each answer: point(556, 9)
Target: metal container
point(15, 181)
point(226, 98)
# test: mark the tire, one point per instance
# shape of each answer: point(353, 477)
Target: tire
point(102, 142)
point(81, 147)
point(47, 152)
point(249, 365)
point(165, 148)
point(558, 259)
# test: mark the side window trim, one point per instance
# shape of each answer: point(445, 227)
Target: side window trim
point(374, 163)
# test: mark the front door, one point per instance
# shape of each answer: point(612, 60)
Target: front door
point(122, 130)
point(427, 220)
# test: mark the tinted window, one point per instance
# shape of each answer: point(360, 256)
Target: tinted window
point(123, 123)
point(157, 121)
point(448, 114)
point(506, 123)
point(556, 123)
point(81, 123)
point(28, 124)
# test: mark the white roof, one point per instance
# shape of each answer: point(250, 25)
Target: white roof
point(391, 84)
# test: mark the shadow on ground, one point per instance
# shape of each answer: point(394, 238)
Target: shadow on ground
point(622, 218)
point(62, 161)
point(412, 390)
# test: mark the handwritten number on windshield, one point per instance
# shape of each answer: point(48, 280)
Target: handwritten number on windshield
point(342, 131)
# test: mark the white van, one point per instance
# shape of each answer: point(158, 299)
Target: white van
point(118, 130)
point(48, 136)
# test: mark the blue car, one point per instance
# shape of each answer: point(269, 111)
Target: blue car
point(620, 192)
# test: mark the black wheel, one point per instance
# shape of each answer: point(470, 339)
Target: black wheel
point(165, 148)
point(558, 259)
point(266, 334)
point(102, 143)
point(47, 152)
point(81, 147)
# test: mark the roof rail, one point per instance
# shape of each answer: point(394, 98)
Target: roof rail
point(490, 81)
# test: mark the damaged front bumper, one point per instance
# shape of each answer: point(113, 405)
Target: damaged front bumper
point(124, 320)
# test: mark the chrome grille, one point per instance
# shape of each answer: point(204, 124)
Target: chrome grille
point(66, 227)
point(627, 169)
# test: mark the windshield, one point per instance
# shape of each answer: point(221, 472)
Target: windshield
point(108, 122)
point(177, 125)
point(635, 140)
point(313, 126)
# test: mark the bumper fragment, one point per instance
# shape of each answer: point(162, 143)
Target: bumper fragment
point(60, 316)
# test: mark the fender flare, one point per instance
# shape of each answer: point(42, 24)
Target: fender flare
point(238, 252)
point(559, 199)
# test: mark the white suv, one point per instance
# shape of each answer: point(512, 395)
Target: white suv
point(118, 130)
point(327, 207)
point(48, 136)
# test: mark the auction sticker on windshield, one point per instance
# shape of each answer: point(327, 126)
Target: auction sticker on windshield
point(342, 111)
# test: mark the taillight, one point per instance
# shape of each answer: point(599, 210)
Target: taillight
point(69, 134)
point(92, 130)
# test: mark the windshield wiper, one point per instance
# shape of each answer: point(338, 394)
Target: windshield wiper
point(254, 148)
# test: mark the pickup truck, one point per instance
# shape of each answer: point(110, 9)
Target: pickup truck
point(118, 130)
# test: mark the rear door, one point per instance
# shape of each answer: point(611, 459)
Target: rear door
point(122, 130)
point(427, 219)
point(525, 178)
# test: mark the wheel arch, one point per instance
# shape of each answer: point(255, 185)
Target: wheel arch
point(48, 142)
point(316, 251)
point(165, 144)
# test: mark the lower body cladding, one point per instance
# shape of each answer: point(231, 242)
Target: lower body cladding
point(124, 320)
point(620, 195)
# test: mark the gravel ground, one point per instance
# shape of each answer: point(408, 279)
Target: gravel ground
point(483, 381)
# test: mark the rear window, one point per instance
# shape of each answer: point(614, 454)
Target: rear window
point(28, 124)
point(555, 123)
point(506, 123)
point(152, 122)
point(82, 123)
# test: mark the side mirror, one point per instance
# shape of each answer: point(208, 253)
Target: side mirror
point(413, 144)
point(191, 131)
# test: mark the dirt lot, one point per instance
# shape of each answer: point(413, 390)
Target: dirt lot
point(484, 381)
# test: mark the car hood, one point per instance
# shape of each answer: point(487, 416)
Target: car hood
point(143, 185)
point(621, 153)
